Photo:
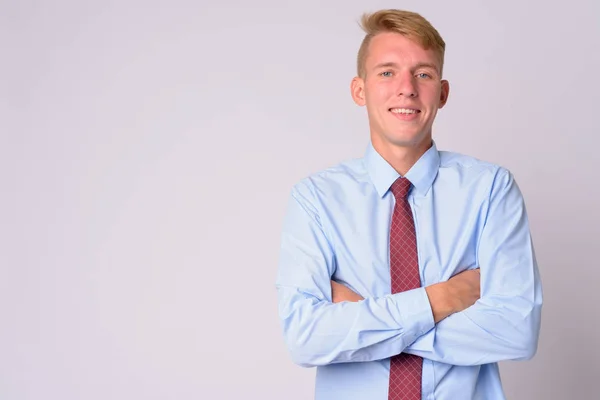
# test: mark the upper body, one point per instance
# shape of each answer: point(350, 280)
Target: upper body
point(468, 215)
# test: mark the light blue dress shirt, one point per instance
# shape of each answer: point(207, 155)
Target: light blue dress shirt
point(467, 214)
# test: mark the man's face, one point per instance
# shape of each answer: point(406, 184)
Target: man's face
point(402, 90)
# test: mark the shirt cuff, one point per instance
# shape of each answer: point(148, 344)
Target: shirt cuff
point(416, 316)
point(423, 343)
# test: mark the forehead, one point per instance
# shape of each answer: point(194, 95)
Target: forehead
point(393, 47)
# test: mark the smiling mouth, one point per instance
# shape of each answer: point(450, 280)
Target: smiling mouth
point(404, 111)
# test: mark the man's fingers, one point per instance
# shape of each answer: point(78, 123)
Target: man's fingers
point(342, 293)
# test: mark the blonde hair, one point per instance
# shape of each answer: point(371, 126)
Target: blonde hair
point(406, 23)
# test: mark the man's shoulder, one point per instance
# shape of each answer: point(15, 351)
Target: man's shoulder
point(335, 176)
point(472, 169)
point(470, 164)
point(451, 159)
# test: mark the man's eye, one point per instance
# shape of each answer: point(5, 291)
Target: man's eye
point(423, 75)
point(386, 73)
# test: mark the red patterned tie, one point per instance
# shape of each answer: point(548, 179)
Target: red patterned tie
point(405, 369)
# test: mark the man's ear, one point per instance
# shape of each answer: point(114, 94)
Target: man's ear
point(357, 89)
point(445, 92)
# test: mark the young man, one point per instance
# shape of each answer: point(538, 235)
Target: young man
point(409, 273)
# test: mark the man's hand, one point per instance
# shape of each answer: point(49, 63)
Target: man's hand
point(465, 288)
point(341, 293)
point(458, 293)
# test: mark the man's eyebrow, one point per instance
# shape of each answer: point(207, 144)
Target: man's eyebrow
point(386, 65)
point(395, 65)
point(427, 65)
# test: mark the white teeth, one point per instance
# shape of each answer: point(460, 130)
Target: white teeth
point(403, 111)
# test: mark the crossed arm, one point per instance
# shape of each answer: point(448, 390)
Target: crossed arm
point(445, 298)
point(467, 320)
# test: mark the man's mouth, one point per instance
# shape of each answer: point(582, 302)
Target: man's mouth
point(405, 111)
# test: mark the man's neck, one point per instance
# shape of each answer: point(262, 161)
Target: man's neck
point(401, 158)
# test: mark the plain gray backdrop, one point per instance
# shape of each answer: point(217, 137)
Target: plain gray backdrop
point(147, 151)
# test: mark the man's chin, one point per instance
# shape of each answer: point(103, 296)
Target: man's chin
point(402, 139)
point(414, 140)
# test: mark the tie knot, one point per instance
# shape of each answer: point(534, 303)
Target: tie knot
point(400, 188)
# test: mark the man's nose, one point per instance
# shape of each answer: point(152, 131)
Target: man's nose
point(407, 86)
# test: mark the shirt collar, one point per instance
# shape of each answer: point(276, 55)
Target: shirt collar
point(421, 174)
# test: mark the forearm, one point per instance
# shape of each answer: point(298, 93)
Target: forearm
point(502, 325)
point(318, 332)
point(482, 334)
point(440, 301)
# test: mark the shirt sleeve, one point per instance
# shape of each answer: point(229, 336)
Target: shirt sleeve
point(319, 332)
point(504, 323)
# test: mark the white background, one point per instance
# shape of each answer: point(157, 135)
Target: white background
point(147, 150)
